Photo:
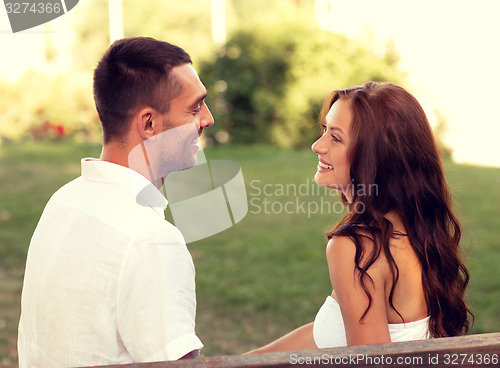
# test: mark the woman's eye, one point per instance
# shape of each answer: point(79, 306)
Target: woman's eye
point(335, 138)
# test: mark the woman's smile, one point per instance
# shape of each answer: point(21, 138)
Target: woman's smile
point(323, 166)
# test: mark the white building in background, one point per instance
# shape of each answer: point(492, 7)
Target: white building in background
point(115, 20)
point(219, 22)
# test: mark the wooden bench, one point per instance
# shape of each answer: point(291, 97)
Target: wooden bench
point(465, 351)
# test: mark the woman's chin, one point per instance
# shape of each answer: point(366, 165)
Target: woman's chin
point(327, 184)
point(320, 180)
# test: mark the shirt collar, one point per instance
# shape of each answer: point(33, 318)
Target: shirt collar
point(145, 193)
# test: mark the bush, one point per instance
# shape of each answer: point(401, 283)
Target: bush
point(270, 81)
point(49, 107)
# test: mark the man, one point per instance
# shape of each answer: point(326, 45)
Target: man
point(108, 280)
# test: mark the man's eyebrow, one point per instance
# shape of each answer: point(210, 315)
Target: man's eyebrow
point(198, 101)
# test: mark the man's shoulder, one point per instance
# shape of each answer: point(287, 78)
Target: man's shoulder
point(65, 194)
point(165, 233)
point(112, 205)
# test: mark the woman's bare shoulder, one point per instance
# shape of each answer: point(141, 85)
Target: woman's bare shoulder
point(345, 259)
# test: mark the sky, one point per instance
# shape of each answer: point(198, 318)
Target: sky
point(450, 49)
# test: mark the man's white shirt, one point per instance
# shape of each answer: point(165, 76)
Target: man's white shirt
point(108, 280)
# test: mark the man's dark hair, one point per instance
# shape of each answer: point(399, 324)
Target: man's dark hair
point(132, 74)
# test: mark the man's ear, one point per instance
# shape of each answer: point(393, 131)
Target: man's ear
point(144, 122)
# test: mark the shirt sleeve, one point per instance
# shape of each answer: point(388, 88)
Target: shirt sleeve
point(156, 304)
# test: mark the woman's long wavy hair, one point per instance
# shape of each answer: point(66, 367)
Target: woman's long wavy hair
point(394, 151)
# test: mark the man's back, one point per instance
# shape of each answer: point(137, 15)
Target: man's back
point(107, 280)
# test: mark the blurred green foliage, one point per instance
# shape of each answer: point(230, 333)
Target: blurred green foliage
point(269, 83)
point(265, 85)
point(55, 106)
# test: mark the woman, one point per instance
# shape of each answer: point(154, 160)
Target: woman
point(394, 259)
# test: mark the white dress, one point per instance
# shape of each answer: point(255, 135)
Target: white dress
point(329, 331)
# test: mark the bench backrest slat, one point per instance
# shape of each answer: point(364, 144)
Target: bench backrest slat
point(472, 350)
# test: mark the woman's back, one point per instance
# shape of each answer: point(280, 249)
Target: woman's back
point(408, 296)
point(393, 300)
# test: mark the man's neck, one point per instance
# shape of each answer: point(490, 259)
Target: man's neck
point(117, 154)
point(114, 153)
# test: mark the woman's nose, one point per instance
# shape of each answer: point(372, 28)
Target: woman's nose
point(318, 147)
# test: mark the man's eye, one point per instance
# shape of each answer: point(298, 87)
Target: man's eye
point(198, 108)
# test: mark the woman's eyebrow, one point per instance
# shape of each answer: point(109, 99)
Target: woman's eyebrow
point(335, 128)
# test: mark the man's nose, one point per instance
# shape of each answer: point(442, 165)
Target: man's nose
point(207, 119)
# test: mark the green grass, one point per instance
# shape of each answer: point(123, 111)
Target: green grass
point(264, 276)
point(478, 205)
